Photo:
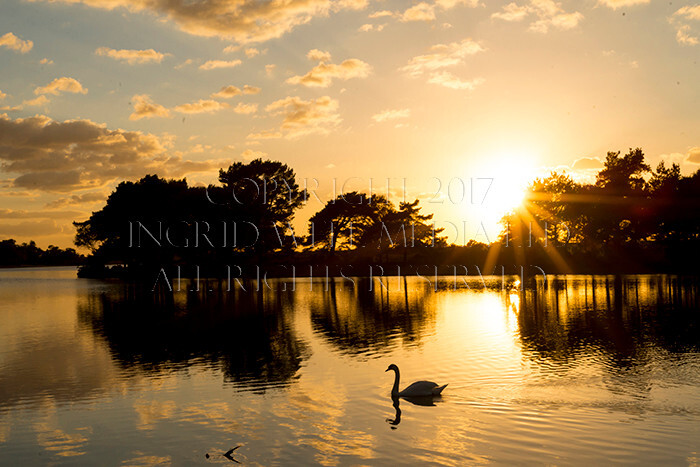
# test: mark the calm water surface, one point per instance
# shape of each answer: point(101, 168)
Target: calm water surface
point(587, 370)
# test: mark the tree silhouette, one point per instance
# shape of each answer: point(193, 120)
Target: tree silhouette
point(263, 194)
point(344, 220)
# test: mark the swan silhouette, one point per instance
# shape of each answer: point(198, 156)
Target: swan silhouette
point(417, 389)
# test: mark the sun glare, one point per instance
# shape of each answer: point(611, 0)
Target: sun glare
point(511, 175)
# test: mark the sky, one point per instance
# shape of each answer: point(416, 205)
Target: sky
point(458, 103)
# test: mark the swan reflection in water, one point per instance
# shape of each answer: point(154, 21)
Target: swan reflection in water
point(415, 400)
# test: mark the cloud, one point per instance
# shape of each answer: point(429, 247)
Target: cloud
point(270, 69)
point(689, 12)
point(306, 117)
point(685, 34)
point(615, 4)
point(442, 56)
point(318, 55)
point(587, 163)
point(447, 4)
point(12, 42)
point(131, 56)
point(144, 107)
point(23, 214)
point(36, 102)
point(693, 155)
point(201, 106)
point(512, 12)
point(60, 85)
point(214, 64)
point(322, 75)
point(2, 95)
point(352, 4)
point(561, 21)
point(32, 229)
point(78, 199)
point(39, 153)
point(548, 12)
point(684, 37)
point(448, 80)
point(266, 134)
point(391, 114)
point(227, 92)
point(243, 21)
point(251, 52)
point(381, 14)
point(187, 62)
point(250, 155)
point(245, 109)
point(371, 27)
point(45, 61)
point(420, 12)
point(251, 89)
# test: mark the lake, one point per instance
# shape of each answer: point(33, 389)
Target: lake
point(574, 370)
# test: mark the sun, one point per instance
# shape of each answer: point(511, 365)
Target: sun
point(510, 174)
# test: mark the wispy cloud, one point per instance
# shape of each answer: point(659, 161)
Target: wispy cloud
point(306, 117)
point(131, 56)
point(323, 74)
point(267, 134)
point(391, 114)
point(12, 42)
point(144, 107)
point(60, 85)
point(228, 92)
point(442, 56)
point(548, 14)
point(371, 27)
point(215, 64)
point(381, 14)
point(318, 55)
point(448, 80)
point(201, 106)
point(420, 12)
point(615, 4)
point(682, 20)
point(39, 101)
point(78, 199)
point(245, 109)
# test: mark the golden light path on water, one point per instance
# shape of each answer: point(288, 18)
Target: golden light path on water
point(583, 370)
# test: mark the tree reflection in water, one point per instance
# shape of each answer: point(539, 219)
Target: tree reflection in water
point(248, 335)
point(366, 320)
point(627, 324)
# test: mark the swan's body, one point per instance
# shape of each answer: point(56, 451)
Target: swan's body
point(417, 389)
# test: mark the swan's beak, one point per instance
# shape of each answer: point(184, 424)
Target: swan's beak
point(387, 370)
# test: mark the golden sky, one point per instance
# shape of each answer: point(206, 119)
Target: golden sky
point(460, 101)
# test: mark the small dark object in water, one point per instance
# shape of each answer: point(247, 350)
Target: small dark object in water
point(229, 453)
point(206, 455)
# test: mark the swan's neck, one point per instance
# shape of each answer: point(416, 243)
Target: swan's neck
point(395, 389)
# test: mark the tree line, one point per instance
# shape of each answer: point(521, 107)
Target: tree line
point(28, 254)
point(247, 219)
point(632, 218)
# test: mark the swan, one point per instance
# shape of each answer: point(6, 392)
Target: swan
point(417, 389)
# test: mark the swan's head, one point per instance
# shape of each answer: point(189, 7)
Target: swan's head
point(392, 367)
